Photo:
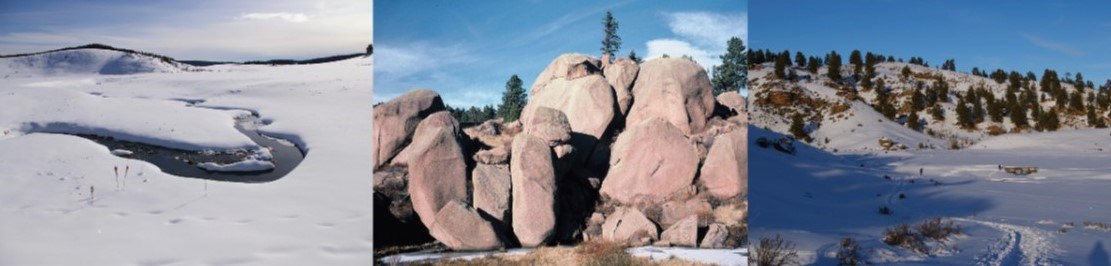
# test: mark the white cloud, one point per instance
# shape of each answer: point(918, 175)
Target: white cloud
point(411, 59)
point(230, 30)
point(709, 29)
point(1052, 45)
point(700, 35)
point(677, 48)
point(290, 17)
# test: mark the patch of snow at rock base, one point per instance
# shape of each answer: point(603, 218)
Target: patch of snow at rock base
point(715, 256)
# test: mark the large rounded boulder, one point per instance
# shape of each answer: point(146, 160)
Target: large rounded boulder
point(630, 227)
point(461, 228)
point(587, 102)
point(674, 89)
point(492, 185)
point(395, 120)
point(725, 172)
point(621, 75)
point(534, 190)
point(567, 66)
point(650, 161)
point(437, 169)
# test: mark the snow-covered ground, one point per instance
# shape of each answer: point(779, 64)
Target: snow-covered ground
point(817, 197)
point(63, 203)
point(724, 257)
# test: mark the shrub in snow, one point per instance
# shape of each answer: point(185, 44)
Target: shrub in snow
point(885, 210)
point(937, 229)
point(774, 252)
point(901, 236)
point(849, 254)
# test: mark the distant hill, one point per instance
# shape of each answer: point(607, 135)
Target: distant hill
point(951, 109)
point(87, 59)
point(104, 59)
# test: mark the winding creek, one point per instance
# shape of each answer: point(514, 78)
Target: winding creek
point(285, 156)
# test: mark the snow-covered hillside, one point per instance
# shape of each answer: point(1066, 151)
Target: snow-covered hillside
point(844, 184)
point(65, 203)
point(1057, 216)
point(848, 109)
point(84, 61)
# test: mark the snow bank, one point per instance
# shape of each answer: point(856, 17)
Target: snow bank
point(711, 256)
point(164, 123)
point(319, 214)
point(83, 61)
point(249, 165)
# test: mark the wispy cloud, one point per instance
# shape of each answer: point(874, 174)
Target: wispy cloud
point(677, 48)
point(286, 16)
point(1051, 45)
point(700, 35)
point(399, 61)
point(230, 30)
point(709, 29)
point(563, 21)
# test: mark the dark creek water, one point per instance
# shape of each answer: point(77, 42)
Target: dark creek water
point(286, 156)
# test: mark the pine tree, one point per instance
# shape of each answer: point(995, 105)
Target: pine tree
point(942, 90)
point(1018, 114)
point(1076, 102)
point(917, 101)
point(610, 42)
point(633, 56)
point(781, 65)
point(1079, 81)
point(995, 111)
point(732, 74)
point(856, 61)
point(513, 100)
point(912, 121)
point(800, 60)
point(833, 65)
point(937, 113)
point(906, 72)
point(964, 114)
point(798, 128)
point(1092, 118)
point(813, 65)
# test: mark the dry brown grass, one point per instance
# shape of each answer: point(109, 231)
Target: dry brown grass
point(730, 214)
point(589, 253)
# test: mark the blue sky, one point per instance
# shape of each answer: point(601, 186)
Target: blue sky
point(191, 29)
point(468, 50)
point(1068, 36)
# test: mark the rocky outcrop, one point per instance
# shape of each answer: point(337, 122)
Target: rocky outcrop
point(437, 169)
point(548, 124)
point(732, 100)
point(716, 237)
point(566, 66)
point(650, 161)
point(534, 190)
point(587, 102)
point(725, 172)
point(683, 233)
point(613, 151)
point(492, 184)
point(393, 184)
point(395, 120)
point(629, 226)
point(462, 228)
point(674, 89)
point(621, 75)
point(496, 155)
point(673, 211)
